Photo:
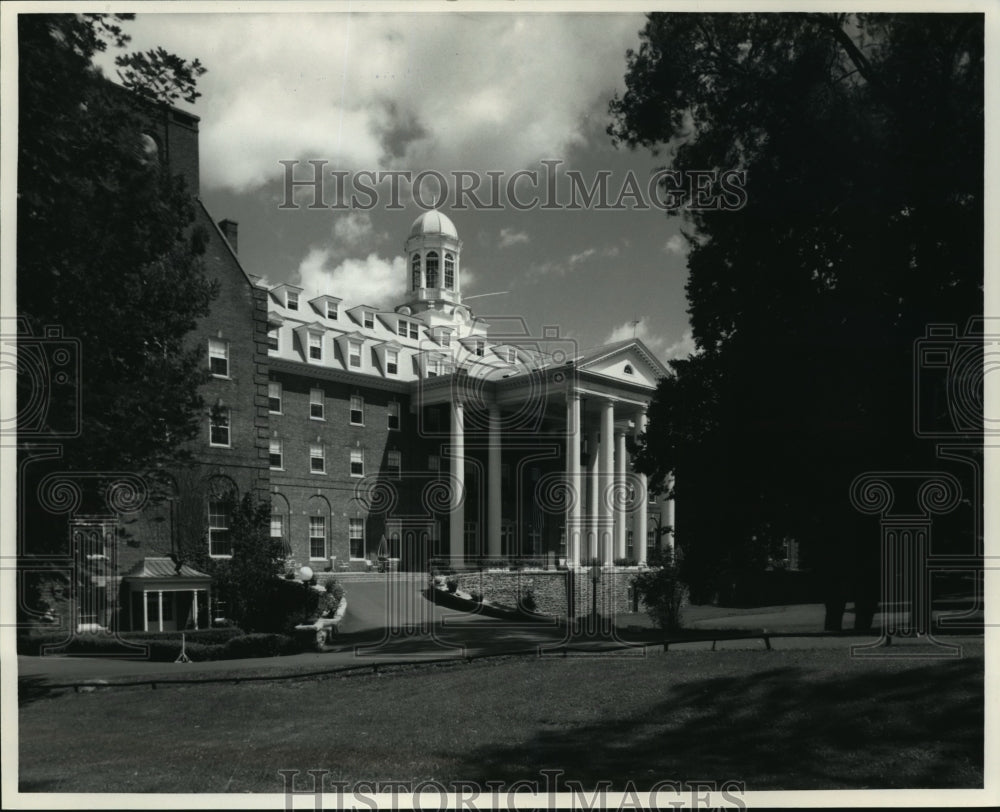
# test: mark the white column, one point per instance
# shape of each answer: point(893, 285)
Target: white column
point(607, 473)
point(573, 511)
point(668, 515)
point(641, 529)
point(145, 611)
point(593, 494)
point(159, 605)
point(194, 607)
point(620, 514)
point(457, 521)
point(493, 479)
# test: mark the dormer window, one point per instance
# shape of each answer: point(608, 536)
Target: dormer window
point(432, 269)
point(480, 348)
point(315, 347)
point(445, 339)
point(273, 338)
point(511, 355)
point(414, 330)
point(292, 300)
point(402, 327)
point(449, 271)
point(354, 355)
point(391, 362)
point(415, 267)
point(369, 320)
point(331, 310)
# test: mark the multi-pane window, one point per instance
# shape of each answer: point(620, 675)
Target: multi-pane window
point(415, 266)
point(356, 533)
point(414, 330)
point(278, 529)
point(391, 362)
point(357, 410)
point(317, 458)
point(218, 528)
point(316, 404)
point(480, 348)
point(354, 354)
point(292, 301)
point(431, 270)
point(433, 463)
point(218, 426)
point(445, 338)
point(369, 320)
point(218, 357)
point(394, 462)
point(449, 271)
point(275, 454)
point(274, 397)
point(317, 536)
point(511, 355)
point(629, 543)
point(357, 462)
point(402, 327)
point(393, 414)
point(331, 310)
point(273, 339)
point(316, 346)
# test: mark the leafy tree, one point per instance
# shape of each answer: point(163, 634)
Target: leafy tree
point(661, 590)
point(107, 248)
point(257, 598)
point(862, 140)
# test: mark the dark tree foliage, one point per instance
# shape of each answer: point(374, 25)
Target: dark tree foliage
point(862, 139)
point(106, 246)
point(256, 598)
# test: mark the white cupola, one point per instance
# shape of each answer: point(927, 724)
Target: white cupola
point(433, 265)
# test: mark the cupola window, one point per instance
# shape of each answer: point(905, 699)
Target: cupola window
point(432, 269)
point(415, 265)
point(449, 272)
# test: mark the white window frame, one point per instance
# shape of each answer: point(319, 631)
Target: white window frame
point(332, 311)
point(368, 319)
point(357, 456)
point(353, 346)
point(351, 525)
point(414, 330)
point(359, 401)
point(403, 328)
point(397, 469)
point(480, 348)
point(393, 411)
point(273, 444)
point(218, 348)
point(291, 300)
point(274, 386)
point(391, 362)
point(317, 346)
point(274, 339)
point(313, 536)
point(313, 456)
point(225, 414)
point(218, 521)
point(317, 397)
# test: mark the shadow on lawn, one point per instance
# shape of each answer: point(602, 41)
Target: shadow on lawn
point(787, 728)
point(31, 689)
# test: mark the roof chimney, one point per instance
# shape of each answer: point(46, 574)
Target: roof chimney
point(230, 230)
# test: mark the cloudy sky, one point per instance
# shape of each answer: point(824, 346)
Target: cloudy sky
point(473, 92)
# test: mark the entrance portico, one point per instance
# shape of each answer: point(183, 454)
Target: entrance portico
point(578, 415)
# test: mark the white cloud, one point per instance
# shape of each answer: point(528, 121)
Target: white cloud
point(676, 245)
point(373, 280)
point(657, 343)
point(576, 259)
point(379, 91)
point(509, 237)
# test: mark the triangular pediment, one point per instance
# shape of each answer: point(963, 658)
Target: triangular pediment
point(627, 361)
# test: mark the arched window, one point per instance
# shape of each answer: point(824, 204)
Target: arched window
point(628, 369)
point(449, 272)
point(415, 265)
point(432, 269)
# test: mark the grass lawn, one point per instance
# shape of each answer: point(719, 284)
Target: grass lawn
point(812, 719)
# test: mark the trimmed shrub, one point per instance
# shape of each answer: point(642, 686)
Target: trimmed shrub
point(661, 590)
point(256, 645)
